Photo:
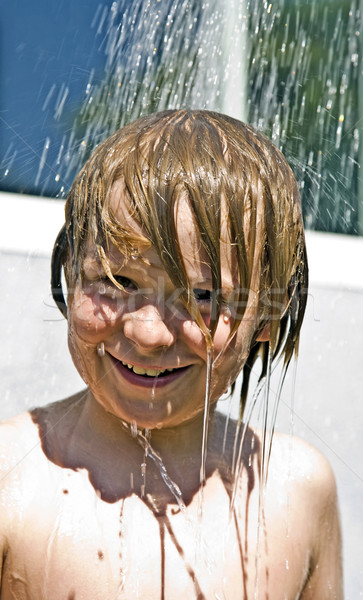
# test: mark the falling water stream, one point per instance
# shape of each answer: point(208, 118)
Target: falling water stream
point(290, 68)
point(149, 452)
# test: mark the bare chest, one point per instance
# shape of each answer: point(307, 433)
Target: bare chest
point(69, 544)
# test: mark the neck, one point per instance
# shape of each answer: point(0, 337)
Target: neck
point(184, 439)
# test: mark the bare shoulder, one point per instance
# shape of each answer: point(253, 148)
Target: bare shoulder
point(18, 435)
point(298, 464)
point(299, 470)
point(21, 438)
point(309, 482)
point(293, 456)
point(19, 452)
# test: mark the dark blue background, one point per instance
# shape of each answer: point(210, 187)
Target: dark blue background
point(43, 43)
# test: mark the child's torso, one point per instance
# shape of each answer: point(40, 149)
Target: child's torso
point(67, 543)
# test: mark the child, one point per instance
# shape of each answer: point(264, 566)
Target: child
point(184, 257)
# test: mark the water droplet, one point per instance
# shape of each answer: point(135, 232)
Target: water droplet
point(133, 428)
point(101, 349)
point(226, 314)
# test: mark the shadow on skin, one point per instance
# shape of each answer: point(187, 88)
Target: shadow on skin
point(113, 462)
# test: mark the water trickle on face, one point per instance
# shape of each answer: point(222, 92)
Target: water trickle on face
point(101, 350)
point(226, 314)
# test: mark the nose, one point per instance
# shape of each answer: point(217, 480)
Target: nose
point(146, 328)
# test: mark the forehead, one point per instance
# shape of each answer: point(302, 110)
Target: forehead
point(123, 211)
point(193, 252)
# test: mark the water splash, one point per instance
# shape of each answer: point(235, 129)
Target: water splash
point(303, 72)
point(42, 160)
point(144, 440)
point(291, 69)
point(173, 63)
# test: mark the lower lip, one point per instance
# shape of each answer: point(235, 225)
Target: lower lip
point(143, 380)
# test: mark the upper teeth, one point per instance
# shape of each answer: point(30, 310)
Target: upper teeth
point(141, 371)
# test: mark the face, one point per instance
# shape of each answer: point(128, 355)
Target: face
point(142, 355)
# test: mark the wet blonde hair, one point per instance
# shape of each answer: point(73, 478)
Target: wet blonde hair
point(226, 170)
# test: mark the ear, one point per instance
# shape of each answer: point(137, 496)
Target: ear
point(265, 334)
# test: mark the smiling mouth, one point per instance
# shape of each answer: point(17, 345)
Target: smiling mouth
point(149, 378)
point(149, 372)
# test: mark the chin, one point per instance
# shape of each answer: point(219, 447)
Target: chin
point(153, 415)
point(145, 415)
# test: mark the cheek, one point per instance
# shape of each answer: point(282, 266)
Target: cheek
point(222, 332)
point(193, 337)
point(196, 340)
point(92, 317)
point(231, 354)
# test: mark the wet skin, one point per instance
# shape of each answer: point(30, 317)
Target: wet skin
point(74, 525)
point(147, 327)
point(78, 517)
